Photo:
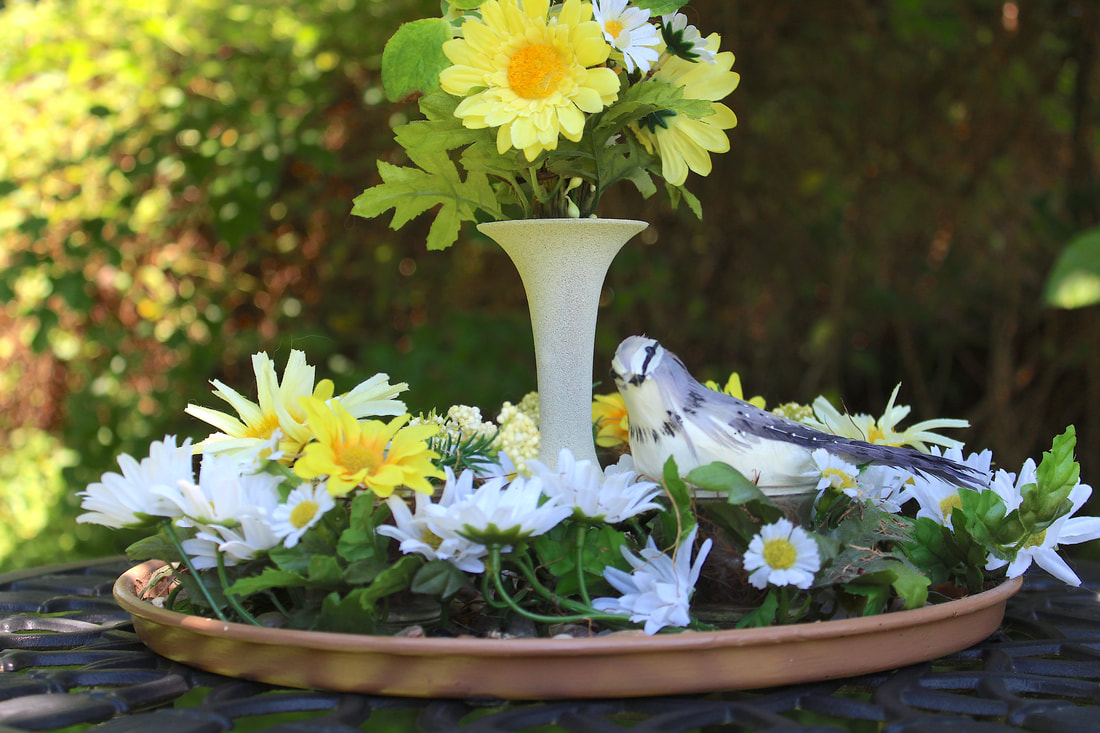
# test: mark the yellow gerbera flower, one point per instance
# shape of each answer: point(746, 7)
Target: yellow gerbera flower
point(683, 143)
point(529, 73)
point(733, 389)
point(370, 453)
point(610, 418)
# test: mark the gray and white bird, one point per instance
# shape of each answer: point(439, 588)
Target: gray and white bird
point(672, 414)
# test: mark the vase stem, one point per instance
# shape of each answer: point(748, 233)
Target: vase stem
point(562, 263)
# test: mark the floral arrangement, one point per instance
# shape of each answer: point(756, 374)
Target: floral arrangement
point(533, 110)
point(314, 510)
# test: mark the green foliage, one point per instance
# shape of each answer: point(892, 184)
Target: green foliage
point(1074, 281)
point(413, 57)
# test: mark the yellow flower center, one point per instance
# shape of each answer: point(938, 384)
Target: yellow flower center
point(535, 71)
point(264, 428)
point(302, 514)
point(780, 554)
point(431, 539)
point(614, 28)
point(949, 504)
point(839, 479)
point(1036, 540)
point(355, 458)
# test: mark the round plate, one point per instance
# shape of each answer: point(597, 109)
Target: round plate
point(624, 664)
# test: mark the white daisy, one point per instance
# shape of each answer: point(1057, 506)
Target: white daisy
point(937, 498)
point(1043, 548)
point(417, 532)
point(128, 499)
point(684, 40)
point(225, 493)
point(782, 554)
point(610, 496)
point(629, 31)
point(658, 591)
point(883, 431)
point(832, 471)
point(303, 508)
point(253, 536)
point(501, 513)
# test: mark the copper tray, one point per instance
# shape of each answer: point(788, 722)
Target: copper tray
point(625, 664)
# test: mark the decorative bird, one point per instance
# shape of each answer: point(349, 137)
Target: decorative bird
point(672, 414)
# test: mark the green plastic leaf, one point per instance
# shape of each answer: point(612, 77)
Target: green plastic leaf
point(347, 614)
point(660, 7)
point(726, 479)
point(764, 614)
point(396, 577)
point(439, 578)
point(679, 519)
point(413, 58)
point(270, 578)
point(412, 191)
point(325, 570)
point(1074, 281)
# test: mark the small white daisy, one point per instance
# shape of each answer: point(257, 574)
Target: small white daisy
point(501, 513)
point(782, 554)
point(832, 471)
point(629, 31)
point(304, 507)
point(610, 496)
point(251, 537)
point(224, 493)
point(658, 591)
point(417, 532)
point(128, 499)
point(684, 40)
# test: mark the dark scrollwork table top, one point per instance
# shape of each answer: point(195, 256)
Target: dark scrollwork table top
point(69, 660)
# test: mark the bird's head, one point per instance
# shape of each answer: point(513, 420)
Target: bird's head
point(635, 361)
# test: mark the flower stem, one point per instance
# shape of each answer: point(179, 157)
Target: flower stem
point(191, 569)
point(493, 568)
point(582, 587)
point(232, 598)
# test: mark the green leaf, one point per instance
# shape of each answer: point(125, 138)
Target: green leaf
point(657, 8)
point(412, 191)
point(154, 547)
point(396, 577)
point(764, 614)
point(325, 570)
point(679, 519)
point(361, 572)
point(1074, 281)
point(270, 578)
point(347, 614)
point(1058, 472)
point(725, 479)
point(413, 58)
point(439, 578)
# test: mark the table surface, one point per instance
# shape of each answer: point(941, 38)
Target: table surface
point(71, 661)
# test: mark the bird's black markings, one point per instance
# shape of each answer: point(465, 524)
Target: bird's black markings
point(650, 351)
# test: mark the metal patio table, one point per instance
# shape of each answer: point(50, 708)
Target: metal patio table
point(70, 660)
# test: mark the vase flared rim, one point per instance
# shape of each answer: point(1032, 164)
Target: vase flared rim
point(560, 221)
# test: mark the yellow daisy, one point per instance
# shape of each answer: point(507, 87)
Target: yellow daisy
point(276, 408)
point(530, 75)
point(610, 418)
point(683, 143)
point(370, 453)
point(276, 422)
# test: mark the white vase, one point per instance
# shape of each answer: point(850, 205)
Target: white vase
point(562, 263)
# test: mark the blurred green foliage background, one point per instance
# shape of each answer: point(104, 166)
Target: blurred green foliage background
point(176, 181)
